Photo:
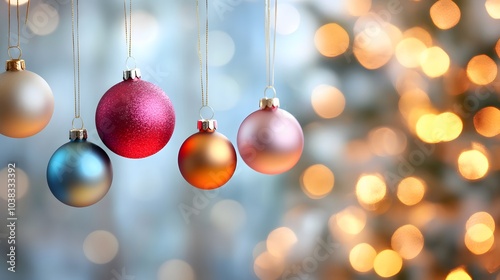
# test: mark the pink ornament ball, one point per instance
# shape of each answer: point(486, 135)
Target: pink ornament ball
point(135, 118)
point(270, 141)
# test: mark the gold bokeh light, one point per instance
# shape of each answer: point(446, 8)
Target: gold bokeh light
point(317, 181)
point(358, 8)
point(445, 14)
point(408, 241)
point(327, 101)
point(479, 239)
point(458, 274)
point(451, 126)
point(435, 62)
point(387, 263)
point(267, 266)
point(486, 121)
point(411, 190)
point(370, 190)
point(419, 33)
point(362, 257)
point(374, 49)
point(479, 233)
point(473, 164)
point(479, 236)
point(482, 70)
point(408, 52)
point(331, 40)
point(432, 128)
point(425, 128)
point(481, 218)
point(351, 220)
point(280, 241)
point(493, 8)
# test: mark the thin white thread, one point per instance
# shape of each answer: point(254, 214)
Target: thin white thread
point(270, 43)
point(76, 56)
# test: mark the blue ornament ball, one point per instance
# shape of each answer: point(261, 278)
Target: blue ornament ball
point(79, 173)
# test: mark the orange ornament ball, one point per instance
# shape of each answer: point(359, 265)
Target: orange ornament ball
point(207, 159)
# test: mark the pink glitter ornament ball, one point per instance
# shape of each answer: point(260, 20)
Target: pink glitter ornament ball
point(135, 118)
point(270, 140)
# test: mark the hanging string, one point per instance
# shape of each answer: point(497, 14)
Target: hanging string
point(18, 44)
point(204, 89)
point(128, 34)
point(128, 28)
point(75, 34)
point(27, 11)
point(270, 39)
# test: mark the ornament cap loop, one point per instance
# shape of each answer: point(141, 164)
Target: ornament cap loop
point(73, 123)
point(15, 65)
point(205, 109)
point(131, 74)
point(78, 134)
point(271, 88)
point(269, 103)
point(20, 54)
point(207, 125)
point(129, 60)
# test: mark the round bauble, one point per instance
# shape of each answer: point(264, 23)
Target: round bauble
point(270, 140)
point(26, 101)
point(207, 160)
point(135, 118)
point(79, 173)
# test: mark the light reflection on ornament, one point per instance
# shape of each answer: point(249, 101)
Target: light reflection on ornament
point(207, 159)
point(270, 140)
point(135, 118)
point(26, 101)
point(79, 173)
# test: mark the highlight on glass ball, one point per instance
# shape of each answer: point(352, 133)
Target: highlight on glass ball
point(26, 101)
point(135, 118)
point(79, 173)
point(270, 140)
point(207, 159)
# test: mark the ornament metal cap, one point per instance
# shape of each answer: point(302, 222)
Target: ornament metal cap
point(266, 102)
point(131, 74)
point(15, 65)
point(207, 125)
point(78, 134)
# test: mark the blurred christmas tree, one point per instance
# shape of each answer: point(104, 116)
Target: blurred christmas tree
point(400, 177)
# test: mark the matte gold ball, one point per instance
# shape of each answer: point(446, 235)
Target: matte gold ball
point(207, 160)
point(26, 103)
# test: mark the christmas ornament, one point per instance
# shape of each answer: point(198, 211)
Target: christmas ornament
point(79, 173)
point(270, 140)
point(134, 118)
point(26, 100)
point(207, 159)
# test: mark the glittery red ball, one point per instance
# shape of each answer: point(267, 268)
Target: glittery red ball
point(135, 118)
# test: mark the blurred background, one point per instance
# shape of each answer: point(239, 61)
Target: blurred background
point(399, 177)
